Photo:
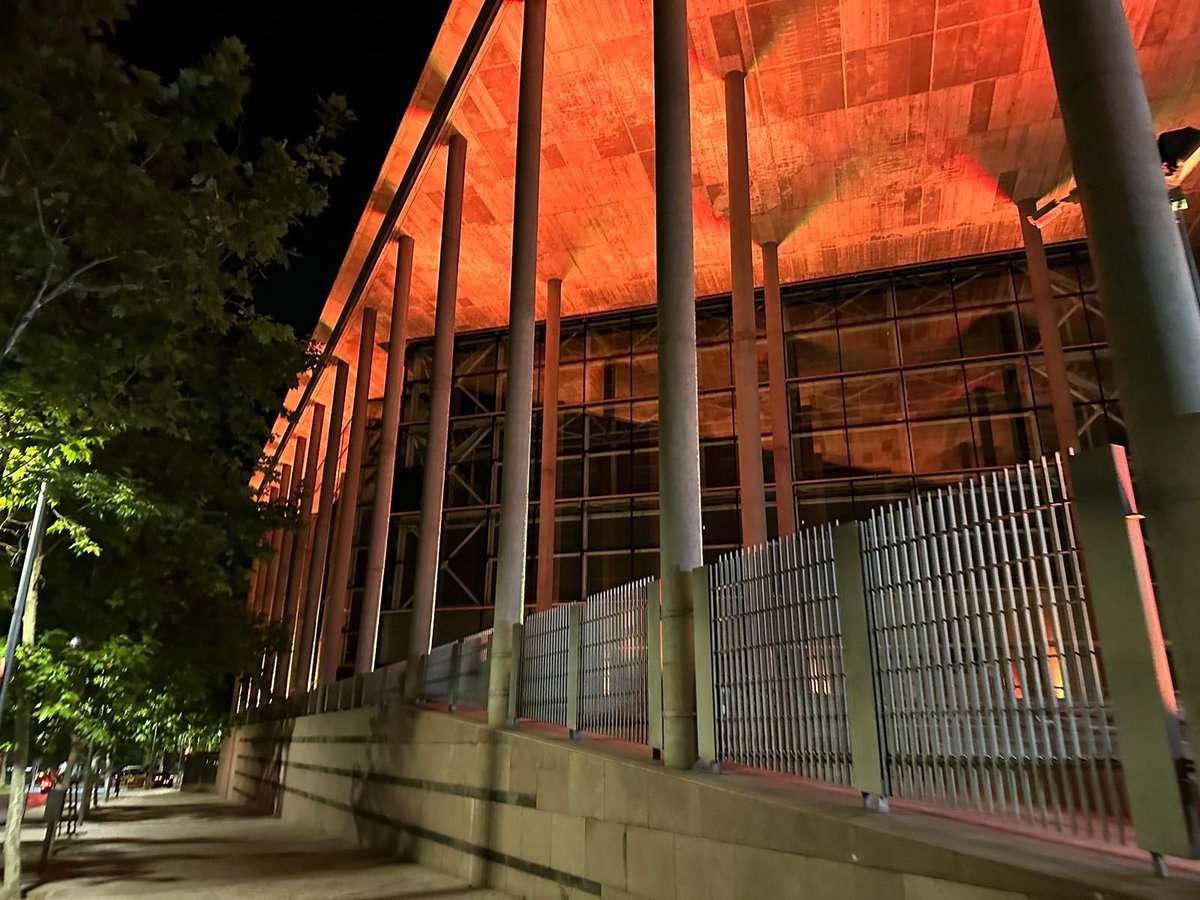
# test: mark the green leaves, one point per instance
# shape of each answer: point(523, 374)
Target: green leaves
point(135, 373)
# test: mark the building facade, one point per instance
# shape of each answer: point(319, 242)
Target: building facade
point(896, 382)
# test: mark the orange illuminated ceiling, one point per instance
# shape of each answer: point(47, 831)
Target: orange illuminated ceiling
point(882, 133)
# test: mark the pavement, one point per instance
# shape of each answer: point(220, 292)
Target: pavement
point(170, 844)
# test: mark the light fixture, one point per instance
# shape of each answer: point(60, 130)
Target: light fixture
point(1052, 210)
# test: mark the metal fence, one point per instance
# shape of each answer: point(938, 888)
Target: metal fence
point(992, 696)
point(545, 647)
point(474, 664)
point(613, 690)
point(778, 673)
point(438, 671)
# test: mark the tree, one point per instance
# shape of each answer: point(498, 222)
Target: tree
point(135, 373)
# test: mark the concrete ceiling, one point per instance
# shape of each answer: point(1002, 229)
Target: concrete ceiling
point(882, 133)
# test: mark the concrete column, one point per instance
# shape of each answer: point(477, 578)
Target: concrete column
point(746, 413)
point(1153, 321)
point(781, 438)
point(307, 640)
point(381, 512)
point(1047, 320)
point(518, 402)
point(332, 648)
point(432, 492)
point(291, 480)
point(546, 497)
point(681, 542)
point(275, 541)
point(304, 462)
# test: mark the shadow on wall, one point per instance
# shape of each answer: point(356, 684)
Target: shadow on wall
point(273, 740)
point(386, 805)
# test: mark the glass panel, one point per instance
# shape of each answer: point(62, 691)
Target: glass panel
point(568, 528)
point(880, 449)
point(712, 323)
point(608, 427)
point(570, 384)
point(922, 293)
point(474, 354)
point(645, 472)
point(644, 429)
point(932, 393)
point(1072, 321)
point(608, 526)
point(645, 332)
point(825, 502)
point(719, 515)
point(607, 379)
point(474, 394)
point(872, 495)
point(570, 477)
point(645, 375)
point(929, 339)
point(571, 342)
point(716, 415)
point(987, 285)
point(609, 337)
point(816, 404)
point(415, 406)
point(869, 347)
point(820, 454)
point(718, 464)
point(713, 367)
point(1064, 279)
point(1083, 376)
point(874, 398)
point(1005, 440)
point(609, 474)
point(865, 302)
point(942, 446)
point(568, 578)
point(812, 353)
point(989, 332)
point(807, 310)
point(418, 361)
point(998, 386)
point(607, 571)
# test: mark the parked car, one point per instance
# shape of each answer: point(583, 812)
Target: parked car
point(133, 777)
point(46, 781)
point(162, 780)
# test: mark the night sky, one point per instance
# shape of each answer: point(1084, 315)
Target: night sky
point(372, 52)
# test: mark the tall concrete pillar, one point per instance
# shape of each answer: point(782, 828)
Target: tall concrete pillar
point(291, 493)
point(1145, 285)
point(304, 462)
point(433, 489)
point(746, 413)
point(333, 646)
point(307, 641)
point(1047, 321)
point(518, 402)
point(381, 512)
point(781, 438)
point(680, 538)
point(549, 485)
point(275, 542)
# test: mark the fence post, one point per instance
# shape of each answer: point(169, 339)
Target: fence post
point(574, 666)
point(706, 719)
point(654, 666)
point(1130, 638)
point(862, 698)
point(455, 660)
point(514, 673)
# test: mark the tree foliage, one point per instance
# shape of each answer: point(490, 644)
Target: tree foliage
point(135, 373)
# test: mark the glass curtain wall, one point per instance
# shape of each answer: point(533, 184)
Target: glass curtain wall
point(897, 380)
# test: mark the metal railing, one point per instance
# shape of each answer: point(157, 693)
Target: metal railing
point(545, 651)
point(612, 674)
point(944, 650)
point(992, 693)
point(778, 673)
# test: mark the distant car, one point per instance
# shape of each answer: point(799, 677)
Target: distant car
point(133, 777)
point(46, 780)
point(162, 780)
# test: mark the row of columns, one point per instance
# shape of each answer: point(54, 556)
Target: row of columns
point(1153, 322)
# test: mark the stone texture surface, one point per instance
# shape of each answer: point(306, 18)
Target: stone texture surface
point(538, 816)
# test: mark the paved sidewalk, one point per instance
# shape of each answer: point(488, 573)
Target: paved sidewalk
point(175, 845)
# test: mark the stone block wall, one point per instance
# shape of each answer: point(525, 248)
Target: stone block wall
point(530, 813)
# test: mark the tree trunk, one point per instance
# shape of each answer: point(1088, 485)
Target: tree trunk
point(11, 889)
point(85, 802)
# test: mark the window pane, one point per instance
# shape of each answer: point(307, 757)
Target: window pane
point(874, 398)
point(718, 464)
point(864, 302)
point(942, 446)
point(988, 285)
point(807, 310)
point(989, 332)
point(880, 449)
point(812, 353)
point(923, 293)
point(608, 338)
point(999, 386)
point(816, 404)
point(820, 454)
point(716, 415)
point(1005, 440)
point(933, 393)
point(644, 430)
point(929, 339)
point(645, 376)
point(869, 347)
point(713, 367)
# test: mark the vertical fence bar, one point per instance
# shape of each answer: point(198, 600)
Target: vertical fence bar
point(706, 734)
point(574, 660)
point(654, 666)
point(455, 662)
point(1142, 697)
point(514, 679)
point(862, 697)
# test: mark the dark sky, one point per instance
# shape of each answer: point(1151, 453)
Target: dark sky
point(372, 52)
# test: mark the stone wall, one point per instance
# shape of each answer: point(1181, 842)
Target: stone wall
point(530, 813)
